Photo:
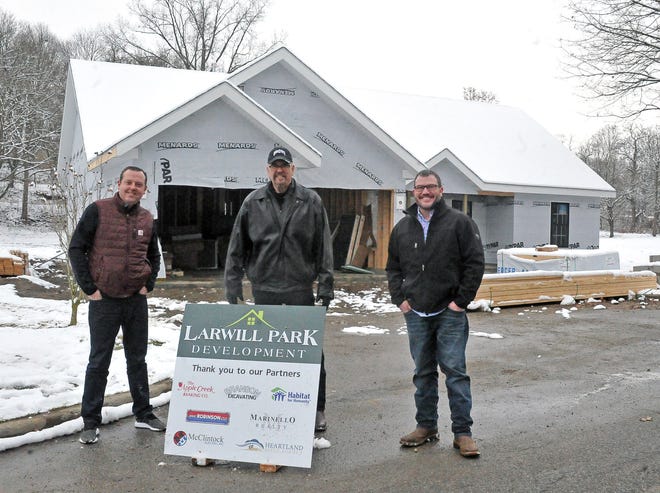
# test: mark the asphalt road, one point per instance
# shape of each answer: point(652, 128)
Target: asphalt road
point(560, 405)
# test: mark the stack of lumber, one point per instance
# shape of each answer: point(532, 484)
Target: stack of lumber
point(13, 264)
point(527, 288)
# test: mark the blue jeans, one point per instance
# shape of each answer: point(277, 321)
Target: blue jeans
point(105, 318)
point(440, 341)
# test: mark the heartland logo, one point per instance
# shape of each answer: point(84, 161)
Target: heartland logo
point(253, 445)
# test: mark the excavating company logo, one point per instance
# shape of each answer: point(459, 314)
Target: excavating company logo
point(278, 394)
point(244, 392)
point(253, 445)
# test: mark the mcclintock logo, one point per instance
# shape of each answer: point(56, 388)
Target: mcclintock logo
point(180, 438)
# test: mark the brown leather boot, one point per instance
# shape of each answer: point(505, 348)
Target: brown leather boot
point(466, 446)
point(419, 437)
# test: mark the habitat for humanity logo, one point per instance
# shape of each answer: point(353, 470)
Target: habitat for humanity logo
point(252, 445)
point(278, 394)
point(209, 417)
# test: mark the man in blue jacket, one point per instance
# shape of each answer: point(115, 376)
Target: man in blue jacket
point(281, 241)
point(434, 269)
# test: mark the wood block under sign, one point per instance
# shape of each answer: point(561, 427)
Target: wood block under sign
point(269, 467)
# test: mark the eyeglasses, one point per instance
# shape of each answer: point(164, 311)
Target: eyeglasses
point(430, 188)
point(280, 164)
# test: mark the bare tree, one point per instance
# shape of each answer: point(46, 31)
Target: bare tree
point(33, 65)
point(602, 152)
point(617, 53)
point(473, 94)
point(72, 193)
point(651, 177)
point(212, 35)
point(632, 186)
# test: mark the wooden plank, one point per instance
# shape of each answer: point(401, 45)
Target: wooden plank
point(526, 288)
point(269, 467)
point(360, 256)
point(351, 244)
point(358, 236)
point(342, 239)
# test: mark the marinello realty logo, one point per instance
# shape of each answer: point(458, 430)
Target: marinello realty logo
point(242, 392)
point(278, 394)
point(208, 417)
point(181, 438)
point(272, 423)
point(191, 389)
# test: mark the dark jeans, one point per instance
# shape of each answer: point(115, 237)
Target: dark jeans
point(105, 318)
point(300, 298)
point(440, 341)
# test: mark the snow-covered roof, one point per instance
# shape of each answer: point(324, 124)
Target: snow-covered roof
point(115, 100)
point(501, 148)
point(128, 104)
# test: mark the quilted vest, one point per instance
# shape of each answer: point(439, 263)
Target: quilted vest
point(118, 259)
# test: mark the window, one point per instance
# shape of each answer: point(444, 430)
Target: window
point(458, 204)
point(559, 216)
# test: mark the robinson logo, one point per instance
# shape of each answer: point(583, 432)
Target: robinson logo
point(209, 417)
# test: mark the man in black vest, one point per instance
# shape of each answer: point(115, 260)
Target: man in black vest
point(115, 259)
point(281, 241)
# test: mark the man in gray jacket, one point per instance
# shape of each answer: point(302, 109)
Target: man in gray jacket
point(281, 241)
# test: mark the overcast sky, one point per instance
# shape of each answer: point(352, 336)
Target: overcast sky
point(430, 47)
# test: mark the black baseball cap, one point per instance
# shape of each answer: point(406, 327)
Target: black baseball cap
point(279, 154)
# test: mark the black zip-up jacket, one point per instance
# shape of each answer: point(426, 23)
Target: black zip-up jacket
point(447, 267)
point(281, 248)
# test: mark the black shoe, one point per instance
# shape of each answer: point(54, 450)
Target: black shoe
point(150, 422)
